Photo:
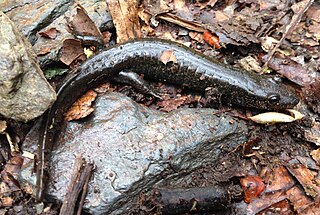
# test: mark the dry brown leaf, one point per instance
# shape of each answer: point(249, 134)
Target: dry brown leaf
point(196, 36)
point(71, 51)
point(174, 103)
point(316, 155)
point(264, 201)
point(6, 201)
point(298, 199)
point(279, 179)
point(105, 87)
point(82, 24)
point(168, 56)
point(221, 17)
point(82, 107)
point(44, 51)
point(203, 5)
point(155, 8)
point(290, 69)
point(307, 179)
point(50, 33)
point(144, 16)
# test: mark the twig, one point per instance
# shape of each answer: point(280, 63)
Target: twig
point(295, 20)
point(79, 181)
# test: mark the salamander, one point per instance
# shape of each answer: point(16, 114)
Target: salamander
point(191, 69)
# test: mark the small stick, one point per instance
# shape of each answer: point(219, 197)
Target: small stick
point(79, 182)
point(296, 19)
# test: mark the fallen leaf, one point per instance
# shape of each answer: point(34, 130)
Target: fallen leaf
point(250, 64)
point(307, 179)
point(105, 87)
point(168, 105)
point(279, 180)
point(155, 8)
point(50, 33)
point(72, 51)
point(144, 16)
point(43, 51)
point(252, 186)
point(264, 201)
point(298, 199)
point(6, 201)
point(196, 36)
point(82, 24)
point(203, 5)
point(168, 56)
point(271, 118)
point(316, 155)
point(290, 69)
point(82, 107)
point(221, 17)
point(312, 95)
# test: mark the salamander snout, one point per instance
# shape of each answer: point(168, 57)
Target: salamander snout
point(283, 100)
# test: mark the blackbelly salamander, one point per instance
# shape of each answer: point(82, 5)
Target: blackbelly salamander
point(192, 69)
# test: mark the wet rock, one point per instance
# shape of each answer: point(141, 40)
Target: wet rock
point(24, 92)
point(135, 148)
point(52, 14)
point(32, 15)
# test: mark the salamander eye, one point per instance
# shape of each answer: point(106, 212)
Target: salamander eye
point(273, 98)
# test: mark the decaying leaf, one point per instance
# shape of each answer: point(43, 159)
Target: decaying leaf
point(168, 56)
point(316, 155)
point(271, 118)
point(307, 178)
point(50, 33)
point(250, 64)
point(72, 51)
point(279, 180)
point(82, 107)
point(291, 69)
point(82, 24)
point(298, 199)
point(312, 95)
point(168, 105)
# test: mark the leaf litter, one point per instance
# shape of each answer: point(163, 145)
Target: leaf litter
point(238, 24)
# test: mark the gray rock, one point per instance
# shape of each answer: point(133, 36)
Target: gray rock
point(135, 148)
point(52, 14)
point(32, 15)
point(24, 92)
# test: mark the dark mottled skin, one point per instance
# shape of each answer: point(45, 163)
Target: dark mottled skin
point(192, 69)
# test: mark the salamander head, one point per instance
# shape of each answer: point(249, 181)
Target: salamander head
point(271, 94)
